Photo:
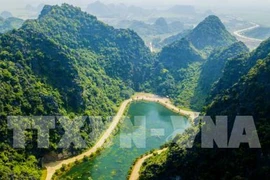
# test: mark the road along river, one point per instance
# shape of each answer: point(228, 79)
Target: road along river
point(113, 161)
point(252, 43)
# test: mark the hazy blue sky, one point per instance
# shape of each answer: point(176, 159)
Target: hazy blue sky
point(11, 4)
point(251, 10)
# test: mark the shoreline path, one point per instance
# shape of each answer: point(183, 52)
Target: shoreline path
point(54, 166)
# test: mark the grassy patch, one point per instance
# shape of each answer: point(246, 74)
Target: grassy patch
point(44, 174)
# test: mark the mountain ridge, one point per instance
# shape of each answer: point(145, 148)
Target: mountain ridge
point(68, 63)
point(64, 63)
point(210, 33)
point(248, 95)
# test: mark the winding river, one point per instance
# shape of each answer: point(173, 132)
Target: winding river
point(150, 125)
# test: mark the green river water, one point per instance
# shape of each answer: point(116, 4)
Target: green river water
point(154, 126)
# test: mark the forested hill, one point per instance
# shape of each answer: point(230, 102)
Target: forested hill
point(64, 63)
point(213, 70)
point(64, 44)
point(67, 62)
point(248, 95)
point(123, 51)
point(187, 69)
point(237, 67)
point(179, 54)
point(210, 34)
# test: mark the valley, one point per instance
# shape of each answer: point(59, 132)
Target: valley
point(53, 167)
point(68, 63)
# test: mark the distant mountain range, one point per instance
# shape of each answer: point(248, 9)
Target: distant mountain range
point(182, 9)
point(102, 10)
point(116, 10)
point(6, 14)
point(67, 62)
point(8, 22)
point(159, 27)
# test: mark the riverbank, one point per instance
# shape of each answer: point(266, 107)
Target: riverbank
point(252, 43)
point(53, 167)
point(135, 173)
point(166, 103)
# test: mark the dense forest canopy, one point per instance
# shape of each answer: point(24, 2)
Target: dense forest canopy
point(243, 89)
point(181, 68)
point(69, 63)
point(65, 63)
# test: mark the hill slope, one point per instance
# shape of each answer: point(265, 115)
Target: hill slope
point(184, 68)
point(210, 34)
point(68, 63)
point(248, 96)
point(176, 71)
point(65, 63)
point(213, 70)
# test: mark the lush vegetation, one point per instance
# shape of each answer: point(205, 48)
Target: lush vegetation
point(177, 72)
point(64, 63)
point(248, 94)
point(213, 70)
point(187, 68)
point(210, 33)
point(68, 63)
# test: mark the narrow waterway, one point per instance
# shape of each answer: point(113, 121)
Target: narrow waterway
point(149, 126)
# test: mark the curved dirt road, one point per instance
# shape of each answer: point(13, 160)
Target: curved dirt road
point(54, 166)
point(135, 173)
